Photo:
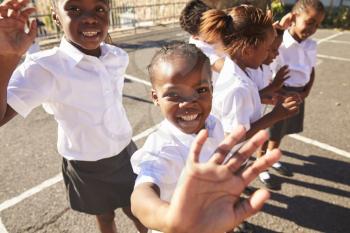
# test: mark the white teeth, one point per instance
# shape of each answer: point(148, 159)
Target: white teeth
point(189, 117)
point(89, 34)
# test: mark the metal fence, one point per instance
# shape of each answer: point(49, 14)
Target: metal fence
point(125, 16)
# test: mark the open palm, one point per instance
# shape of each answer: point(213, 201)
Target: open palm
point(208, 199)
point(13, 18)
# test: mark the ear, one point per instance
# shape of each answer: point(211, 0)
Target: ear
point(154, 97)
point(55, 17)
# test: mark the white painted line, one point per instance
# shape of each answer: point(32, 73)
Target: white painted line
point(13, 201)
point(333, 58)
point(321, 145)
point(2, 227)
point(145, 133)
point(132, 78)
point(329, 38)
point(30, 192)
point(338, 41)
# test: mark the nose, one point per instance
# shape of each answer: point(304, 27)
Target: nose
point(89, 18)
point(188, 100)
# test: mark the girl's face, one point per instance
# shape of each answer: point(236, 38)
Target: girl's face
point(253, 57)
point(84, 23)
point(273, 53)
point(183, 92)
point(306, 23)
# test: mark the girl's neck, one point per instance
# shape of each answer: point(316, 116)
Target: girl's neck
point(293, 34)
point(239, 63)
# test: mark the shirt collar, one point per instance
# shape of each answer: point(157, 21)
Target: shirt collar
point(288, 41)
point(76, 55)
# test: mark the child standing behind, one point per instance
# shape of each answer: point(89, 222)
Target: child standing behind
point(181, 81)
point(247, 34)
point(80, 83)
point(190, 20)
point(299, 53)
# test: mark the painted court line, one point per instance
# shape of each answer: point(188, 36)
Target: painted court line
point(321, 145)
point(133, 78)
point(333, 58)
point(13, 201)
point(2, 227)
point(329, 37)
point(338, 41)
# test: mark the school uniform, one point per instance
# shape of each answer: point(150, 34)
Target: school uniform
point(163, 157)
point(210, 52)
point(236, 99)
point(84, 93)
point(301, 59)
point(262, 77)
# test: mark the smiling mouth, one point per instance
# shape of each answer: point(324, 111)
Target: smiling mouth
point(190, 117)
point(90, 34)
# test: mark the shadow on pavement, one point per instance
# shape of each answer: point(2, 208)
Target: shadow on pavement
point(311, 213)
point(321, 167)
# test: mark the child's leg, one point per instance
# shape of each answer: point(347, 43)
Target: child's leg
point(139, 226)
point(278, 166)
point(106, 222)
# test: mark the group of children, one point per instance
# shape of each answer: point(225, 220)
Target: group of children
point(190, 173)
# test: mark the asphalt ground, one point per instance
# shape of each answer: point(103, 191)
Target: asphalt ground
point(315, 199)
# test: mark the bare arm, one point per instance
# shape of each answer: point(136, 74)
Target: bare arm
point(147, 206)
point(14, 41)
point(10, 113)
point(309, 85)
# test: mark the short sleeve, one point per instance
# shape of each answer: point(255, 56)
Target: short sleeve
point(237, 109)
point(311, 52)
point(162, 168)
point(30, 86)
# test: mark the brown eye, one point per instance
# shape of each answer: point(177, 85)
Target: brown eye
point(202, 90)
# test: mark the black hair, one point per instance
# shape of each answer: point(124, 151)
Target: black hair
point(302, 5)
point(279, 32)
point(190, 17)
point(190, 52)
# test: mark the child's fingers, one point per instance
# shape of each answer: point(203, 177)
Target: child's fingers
point(197, 145)
point(251, 206)
point(24, 16)
point(259, 165)
point(227, 144)
point(247, 150)
point(32, 31)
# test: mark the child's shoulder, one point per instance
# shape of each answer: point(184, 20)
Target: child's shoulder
point(116, 50)
point(43, 55)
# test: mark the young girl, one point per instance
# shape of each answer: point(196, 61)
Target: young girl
point(299, 53)
point(181, 82)
point(190, 20)
point(247, 34)
point(80, 83)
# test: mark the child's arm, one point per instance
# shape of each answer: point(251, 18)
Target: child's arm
point(13, 44)
point(147, 206)
point(309, 85)
point(277, 82)
point(283, 110)
point(207, 201)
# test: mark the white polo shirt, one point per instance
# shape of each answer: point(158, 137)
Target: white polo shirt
point(84, 93)
point(300, 58)
point(164, 154)
point(236, 99)
point(262, 76)
point(209, 51)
